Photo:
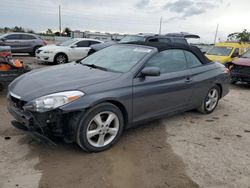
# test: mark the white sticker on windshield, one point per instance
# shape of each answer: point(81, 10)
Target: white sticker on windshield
point(144, 50)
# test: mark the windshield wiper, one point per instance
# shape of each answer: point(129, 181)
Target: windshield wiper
point(95, 66)
point(99, 67)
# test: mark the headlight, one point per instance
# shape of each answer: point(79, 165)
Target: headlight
point(53, 101)
point(49, 51)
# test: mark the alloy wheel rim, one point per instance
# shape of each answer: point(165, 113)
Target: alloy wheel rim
point(61, 59)
point(102, 129)
point(212, 99)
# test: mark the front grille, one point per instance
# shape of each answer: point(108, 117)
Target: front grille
point(17, 102)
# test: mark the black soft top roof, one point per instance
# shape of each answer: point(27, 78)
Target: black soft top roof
point(161, 46)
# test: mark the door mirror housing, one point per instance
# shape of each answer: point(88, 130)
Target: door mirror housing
point(73, 46)
point(151, 71)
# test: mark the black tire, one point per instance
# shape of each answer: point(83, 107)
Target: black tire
point(60, 58)
point(204, 108)
point(84, 122)
point(33, 53)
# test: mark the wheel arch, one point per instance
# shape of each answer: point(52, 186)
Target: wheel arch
point(122, 108)
point(118, 104)
point(221, 89)
point(63, 53)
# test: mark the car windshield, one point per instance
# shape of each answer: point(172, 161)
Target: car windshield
point(131, 38)
point(117, 58)
point(220, 51)
point(246, 54)
point(68, 42)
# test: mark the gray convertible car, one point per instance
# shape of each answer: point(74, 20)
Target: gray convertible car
point(92, 101)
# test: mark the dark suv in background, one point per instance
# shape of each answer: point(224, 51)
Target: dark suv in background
point(170, 38)
point(22, 42)
point(154, 38)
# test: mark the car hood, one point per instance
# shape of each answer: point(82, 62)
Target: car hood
point(221, 59)
point(72, 76)
point(242, 61)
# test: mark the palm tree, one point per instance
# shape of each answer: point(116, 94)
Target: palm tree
point(49, 32)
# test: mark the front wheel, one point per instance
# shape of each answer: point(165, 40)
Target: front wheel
point(211, 101)
point(100, 128)
point(61, 59)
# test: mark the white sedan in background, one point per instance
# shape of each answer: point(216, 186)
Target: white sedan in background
point(70, 50)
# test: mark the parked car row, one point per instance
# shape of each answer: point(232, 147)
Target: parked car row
point(114, 86)
point(235, 56)
point(171, 38)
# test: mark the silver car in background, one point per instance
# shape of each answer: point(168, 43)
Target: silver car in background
point(22, 42)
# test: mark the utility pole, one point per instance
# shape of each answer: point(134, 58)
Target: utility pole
point(216, 33)
point(160, 25)
point(60, 21)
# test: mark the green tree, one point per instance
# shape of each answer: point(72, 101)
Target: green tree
point(243, 36)
point(67, 31)
point(18, 29)
point(6, 29)
point(57, 33)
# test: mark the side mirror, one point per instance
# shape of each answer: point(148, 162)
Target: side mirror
point(73, 46)
point(151, 71)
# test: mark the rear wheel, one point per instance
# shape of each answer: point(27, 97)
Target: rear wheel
point(211, 100)
point(61, 59)
point(100, 128)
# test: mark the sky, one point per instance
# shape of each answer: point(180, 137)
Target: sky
point(130, 16)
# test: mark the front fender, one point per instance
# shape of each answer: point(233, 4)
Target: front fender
point(121, 96)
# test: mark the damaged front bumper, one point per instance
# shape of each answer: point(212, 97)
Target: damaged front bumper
point(41, 125)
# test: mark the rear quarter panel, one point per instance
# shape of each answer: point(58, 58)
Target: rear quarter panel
point(205, 77)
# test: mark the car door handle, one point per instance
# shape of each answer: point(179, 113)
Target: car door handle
point(188, 80)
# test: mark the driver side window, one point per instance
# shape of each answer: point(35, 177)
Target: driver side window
point(168, 61)
point(13, 37)
point(83, 43)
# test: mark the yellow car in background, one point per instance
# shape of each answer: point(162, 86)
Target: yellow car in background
point(224, 52)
